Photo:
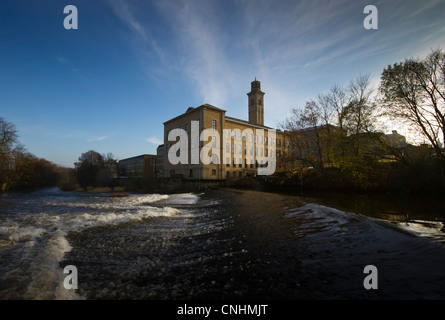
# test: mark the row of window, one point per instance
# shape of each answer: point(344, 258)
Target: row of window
point(262, 152)
point(247, 164)
point(235, 173)
point(195, 126)
point(236, 134)
point(259, 152)
point(242, 136)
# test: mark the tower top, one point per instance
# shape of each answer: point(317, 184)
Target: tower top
point(255, 85)
point(256, 103)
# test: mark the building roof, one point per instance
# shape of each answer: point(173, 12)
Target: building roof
point(140, 156)
point(209, 106)
point(192, 109)
point(247, 123)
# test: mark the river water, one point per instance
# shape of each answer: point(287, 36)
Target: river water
point(221, 244)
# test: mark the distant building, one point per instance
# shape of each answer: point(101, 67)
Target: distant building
point(243, 145)
point(143, 166)
point(395, 139)
point(159, 169)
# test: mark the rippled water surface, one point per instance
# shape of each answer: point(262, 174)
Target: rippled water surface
point(222, 244)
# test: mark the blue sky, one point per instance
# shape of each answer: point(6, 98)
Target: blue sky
point(131, 64)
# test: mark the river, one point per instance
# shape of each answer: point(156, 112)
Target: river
point(220, 244)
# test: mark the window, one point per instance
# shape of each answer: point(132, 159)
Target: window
point(187, 127)
point(227, 162)
point(240, 149)
point(191, 173)
point(227, 174)
point(228, 147)
point(227, 133)
point(245, 150)
point(214, 124)
point(239, 135)
point(214, 159)
point(213, 172)
point(234, 148)
point(240, 174)
point(234, 162)
point(251, 150)
point(261, 139)
point(261, 152)
point(265, 141)
point(251, 138)
point(240, 162)
point(213, 142)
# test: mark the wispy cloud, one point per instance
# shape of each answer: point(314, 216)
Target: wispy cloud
point(97, 139)
point(152, 56)
point(155, 140)
point(123, 11)
point(293, 46)
point(203, 47)
point(68, 63)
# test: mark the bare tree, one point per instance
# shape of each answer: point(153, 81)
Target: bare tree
point(307, 131)
point(8, 145)
point(338, 101)
point(413, 91)
point(359, 114)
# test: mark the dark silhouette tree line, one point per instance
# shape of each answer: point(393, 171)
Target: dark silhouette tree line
point(21, 170)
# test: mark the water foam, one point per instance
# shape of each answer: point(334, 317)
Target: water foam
point(37, 241)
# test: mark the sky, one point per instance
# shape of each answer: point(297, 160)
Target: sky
point(131, 65)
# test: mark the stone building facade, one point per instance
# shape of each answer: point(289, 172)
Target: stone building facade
point(233, 147)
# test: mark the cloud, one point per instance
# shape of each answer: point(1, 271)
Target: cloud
point(123, 11)
point(97, 139)
point(62, 60)
point(293, 47)
point(155, 140)
point(153, 57)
